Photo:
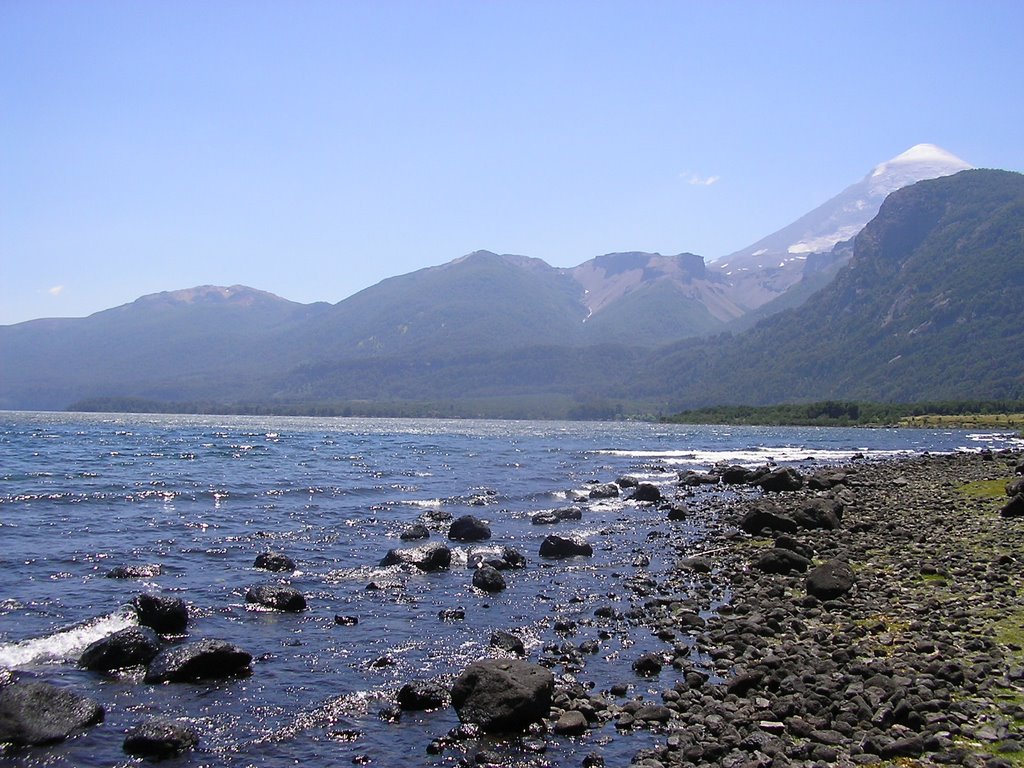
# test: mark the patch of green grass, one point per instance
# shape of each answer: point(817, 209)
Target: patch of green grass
point(986, 489)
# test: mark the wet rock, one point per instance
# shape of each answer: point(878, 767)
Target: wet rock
point(653, 713)
point(200, 660)
point(431, 557)
point(647, 492)
point(503, 695)
point(346, 621)
point(469, 528)
point(134, 572)
point(818, 513)
point(782, 561)
point(557, 516)
point(503, 559)
point(160, 738)
point(274, 561)
point(488, 579)
point(830, 581)
point(571, 723)
point(737, 475)
point(451, 614)
point(278, 597)
point(794, 545)
point(129, 647)
point(423, 695)
point(677, 513)
point(40, 713)
point(827, 479)
point(780, 480)
point(744, 683)
point(648, 665)
point(627, 482)
point(166, 615)
point(692, 479)
point(604, 491)
point(414, 532)
point(559, 547)
point(507, 642)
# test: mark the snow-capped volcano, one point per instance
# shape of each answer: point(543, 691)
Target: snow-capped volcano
point(763, 270)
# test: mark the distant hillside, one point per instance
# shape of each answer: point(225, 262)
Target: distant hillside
point(928, 308)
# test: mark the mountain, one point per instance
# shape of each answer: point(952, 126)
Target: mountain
point(174, 345)
point(928, 308)
point(765, 270)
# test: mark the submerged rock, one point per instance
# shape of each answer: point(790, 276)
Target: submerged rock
point(507, 642)
point(160, 738)
point(134, 572)
point(42, 713)
point(604, 491)
point(278, 597)
point(503, 695)
point(488, 579)
point(130, 647)
point(423, 695)
point(200, 660)
point(414, 532)
point(274, 561)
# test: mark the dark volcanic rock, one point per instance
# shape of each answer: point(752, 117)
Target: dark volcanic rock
point(160, 738)
point(781, 479)
point(571, 723)
point(41, 713)
point(166, 615)
point(130, 647)
point(278, 597)
point(1014, 507)
point(1015, 486)
point(134, 572)
point(503, 695)
point(557, 516)
point(422, 695)
point(507, 642)
point(488, 579)
point(274, 561)
point(736, 475)
point(829, 581)
point(503, 559)
point(793, 544)
point(432, 557)
point(414, 532)
point(605, 491)
point(691, 479)
point(827, 479)
point(818, 513)
point(469, 528)
point(782, 561)
point(559, 547)
point(200, 660)
point(765, 518)
point(647, 492)
point(648, 665)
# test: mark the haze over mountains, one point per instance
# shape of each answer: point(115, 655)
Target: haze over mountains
point(493, 327)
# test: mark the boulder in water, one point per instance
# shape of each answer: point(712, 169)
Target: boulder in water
point(431, 557)
point(488, 579)
point(469, 528)
point(200, 660)
point(42, 713)
point(274, 561)
point(129, 647)
point(278, 597)
point(134, 572)
point(160, 738)
point(503, 695)
point(166, 615)
point(556, 547)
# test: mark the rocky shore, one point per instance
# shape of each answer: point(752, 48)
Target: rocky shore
point(910, 655)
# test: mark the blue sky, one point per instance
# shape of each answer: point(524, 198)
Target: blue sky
point(313, 149)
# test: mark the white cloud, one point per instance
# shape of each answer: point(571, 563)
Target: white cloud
point(697, 180)
point(56, 290)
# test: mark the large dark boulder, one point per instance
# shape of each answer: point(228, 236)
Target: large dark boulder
point(767, 519)
point(737, 475)
point(274, 561)
point(559, 547)
point(784, 561)
point(1014, 507)
point(423, 695)
point(488, 579)
point(826, 479)
point(781, 479)
point(432, 557)
point(1015, 486)
point(830, 581)
point(692, 479)
point(129, 647)
point(503, 695)
point(818, 513)
point(200, 660)
point(414, 532)
point(647, 492)
point(160, 738)
point(469, 528)
point(278, 597)
point(604, 491)
point(166, 615)
point(41, 713)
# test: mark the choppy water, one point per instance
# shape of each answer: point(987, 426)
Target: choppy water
point(202, 496)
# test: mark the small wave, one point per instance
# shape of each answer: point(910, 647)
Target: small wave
point(65, 643)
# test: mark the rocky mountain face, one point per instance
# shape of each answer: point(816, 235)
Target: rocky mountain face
point(804, 249)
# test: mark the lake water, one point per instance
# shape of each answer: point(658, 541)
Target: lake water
point(201, 496)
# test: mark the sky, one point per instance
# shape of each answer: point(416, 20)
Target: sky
point(312, 149)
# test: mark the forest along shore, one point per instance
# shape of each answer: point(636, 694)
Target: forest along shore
point(875, 617)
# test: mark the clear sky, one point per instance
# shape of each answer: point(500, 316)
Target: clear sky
point(312, 149)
